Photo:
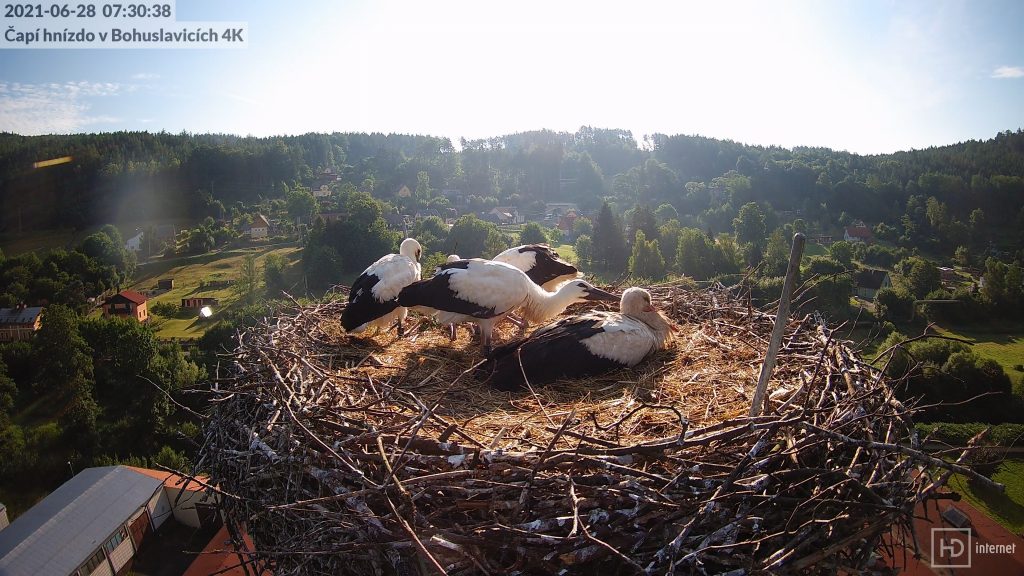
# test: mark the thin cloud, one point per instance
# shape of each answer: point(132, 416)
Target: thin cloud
point(145, 76)
point(51, 108)
point(1009, 72)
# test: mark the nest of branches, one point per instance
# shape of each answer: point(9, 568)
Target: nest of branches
point(343, 455)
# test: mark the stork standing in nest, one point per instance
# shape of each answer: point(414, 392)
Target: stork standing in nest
point(541, 264)
point(584, 345)
point(373, 299)
point(485, 291)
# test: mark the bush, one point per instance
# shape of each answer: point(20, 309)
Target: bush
point(958, 434)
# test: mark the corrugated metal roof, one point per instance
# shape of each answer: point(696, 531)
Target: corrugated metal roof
point(19, 315)
point(66, 527)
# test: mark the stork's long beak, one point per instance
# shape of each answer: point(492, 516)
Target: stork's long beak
point(598, 294)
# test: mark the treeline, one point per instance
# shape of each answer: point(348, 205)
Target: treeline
point(163, 175)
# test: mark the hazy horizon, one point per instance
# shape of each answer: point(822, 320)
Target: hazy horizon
point(869, 77)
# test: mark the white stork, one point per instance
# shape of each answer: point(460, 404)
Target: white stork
point(373, 299)
point(584, 345)
point(485, 291)
point(541, 264)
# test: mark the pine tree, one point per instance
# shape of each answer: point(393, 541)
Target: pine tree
point(609, 241)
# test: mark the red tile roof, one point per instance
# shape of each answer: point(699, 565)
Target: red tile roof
point(219, 558)
point(133, 296)
point(858, 231)
point(984, 531)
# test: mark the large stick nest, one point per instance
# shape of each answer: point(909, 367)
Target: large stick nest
point(343, 455)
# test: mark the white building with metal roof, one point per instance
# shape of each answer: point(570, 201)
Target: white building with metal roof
point(91, 526)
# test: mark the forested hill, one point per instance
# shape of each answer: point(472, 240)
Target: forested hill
point(140, 175)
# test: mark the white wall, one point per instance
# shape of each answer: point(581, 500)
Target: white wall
point(102, 570)
point(122, 554)
point(159, 508)
point(185, 509)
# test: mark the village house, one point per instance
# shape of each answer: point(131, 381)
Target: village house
point(127, 303)
point(19, 323)
point(134, 244)
point(507, 215)
point(857, 232)
point(258, 229)
point(869, 282)
point(404, 192)
point(322, 192)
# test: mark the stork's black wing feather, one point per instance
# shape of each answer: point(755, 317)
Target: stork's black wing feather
point(362, 306)
point(552, 352)
point(437, 293)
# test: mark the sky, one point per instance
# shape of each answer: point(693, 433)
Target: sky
point(867, 76)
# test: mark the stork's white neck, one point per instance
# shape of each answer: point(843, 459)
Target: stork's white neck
point(541, 305)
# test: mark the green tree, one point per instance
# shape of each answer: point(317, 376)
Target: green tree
point(302, 206)
point(842, 252)
point(749, 225)
point(918, 276)
point(669, 242)
point(646, 260)
point(695, 254)
point(8, 394)
point(666, 212)
point(274, 266)
point(776, 254)
point(248, 282)
point(609, 241)
point(583, 225)
point(643, 220)
point(532, 233)
point(894, 305)
point(962, 256)
point(62, 358)
point(584, 249)
point(471, 237)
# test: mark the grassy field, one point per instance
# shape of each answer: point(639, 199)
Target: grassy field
point(1002, 342)
point(1006, 509)
point(191, 274)
point(567, 252)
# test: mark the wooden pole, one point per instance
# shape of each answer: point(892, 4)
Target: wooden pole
point(781, 318)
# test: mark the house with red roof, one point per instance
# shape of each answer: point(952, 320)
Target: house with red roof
point(857, 232)
point(128, 303)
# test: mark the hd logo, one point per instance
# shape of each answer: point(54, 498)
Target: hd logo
point(951, 548)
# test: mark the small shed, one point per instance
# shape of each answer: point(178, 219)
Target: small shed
point(165, 284)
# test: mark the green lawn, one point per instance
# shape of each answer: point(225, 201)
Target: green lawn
point(1002, 342)
point(814, 249)
point(190, 274)
point(1006, 509)
point(567, 252)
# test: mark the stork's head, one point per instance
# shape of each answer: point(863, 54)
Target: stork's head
point(585, 291)
point(411, 249)
point(636, 302)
